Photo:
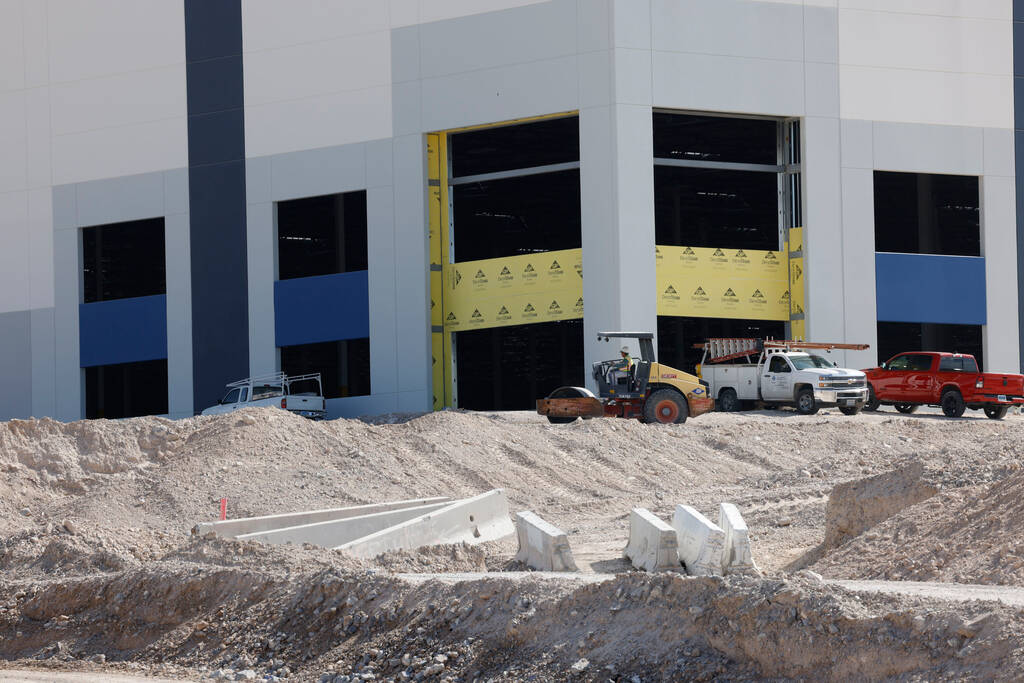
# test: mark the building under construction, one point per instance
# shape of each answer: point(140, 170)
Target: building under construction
point(439, 203)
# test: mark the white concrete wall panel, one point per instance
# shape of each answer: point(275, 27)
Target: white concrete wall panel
point(14, 252)
point(927, 62)
point(858, 291)
point(380, 217)
point(928, 149)
point(179, 314)
point(270, 24)
point(13, 142)
point(728, 84)
point(12, 48)
point(728, 27)
point(40, 247)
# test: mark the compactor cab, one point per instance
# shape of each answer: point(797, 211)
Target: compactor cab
point(649, 391)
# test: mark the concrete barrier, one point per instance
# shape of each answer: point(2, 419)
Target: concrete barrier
point(652, 542)
point(736, 556)
point(542, 546)
point(248, 525)
point(701, 542)
point(473, 520)
point(338, 531)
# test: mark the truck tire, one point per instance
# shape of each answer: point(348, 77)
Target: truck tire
point(850, 410)
point(952, 403)
point(728, 402)
point(996, 412)
point(666, 406)
point(906, 408)
point(805, 403)
point(873, 402)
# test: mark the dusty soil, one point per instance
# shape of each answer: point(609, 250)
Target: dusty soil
point(96, 557)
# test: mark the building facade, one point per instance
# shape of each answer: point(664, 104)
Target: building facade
point(441, 202)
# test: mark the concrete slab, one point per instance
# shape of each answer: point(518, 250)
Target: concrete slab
point(701, 542)
point(248, 525)
point(542, 546)
point(336, 532)
point(652, 542)
point(736, 555)
point(473, 520)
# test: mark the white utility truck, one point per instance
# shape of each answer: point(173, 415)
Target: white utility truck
point(275, 390)
point(784, 374)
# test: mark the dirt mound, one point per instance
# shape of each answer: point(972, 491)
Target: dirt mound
point(967, 535)
point(660, 627)
point(860, 504)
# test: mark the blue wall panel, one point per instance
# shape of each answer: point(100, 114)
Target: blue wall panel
point(923, 288)
point(325, 308)
point(122, 330)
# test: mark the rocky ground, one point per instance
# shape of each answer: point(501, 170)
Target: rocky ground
point(98, 570)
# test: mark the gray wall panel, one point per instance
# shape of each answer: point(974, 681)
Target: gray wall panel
point(120, 199)
point(928, 149)
point(44, 358)
point(15, 366)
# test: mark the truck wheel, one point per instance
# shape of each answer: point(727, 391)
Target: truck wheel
point(728, 402)
point(873, 402)
point(805, 404)
point(953, 403)
point(906, 408)
point(850, 410)
point(996, 412)
point(666, 406)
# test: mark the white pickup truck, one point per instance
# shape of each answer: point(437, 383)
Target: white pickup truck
point(787, 377)
point(275, 390)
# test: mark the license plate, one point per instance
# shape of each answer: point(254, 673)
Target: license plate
point(1002, 397)
point(847, 402)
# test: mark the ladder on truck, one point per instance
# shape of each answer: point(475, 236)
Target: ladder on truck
point(721, 349)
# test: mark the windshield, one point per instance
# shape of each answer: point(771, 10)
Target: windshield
point(803, 362)
point(820, 362)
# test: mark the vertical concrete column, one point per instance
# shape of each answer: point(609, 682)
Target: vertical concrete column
point(617, 176)
point(999, 247)
point(177, 234)
point(412, 283)
point(381, 251)
point(261, 255)
point(823, 232)
point(858, 206)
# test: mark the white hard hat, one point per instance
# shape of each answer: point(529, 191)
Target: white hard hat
point(625, 349)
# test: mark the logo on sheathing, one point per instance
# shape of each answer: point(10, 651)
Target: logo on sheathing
point(718, 256)
point(700, 295)
point(555, 268)
point(770, 257)
point(529, 272)
point(657, 253)
point(458, 278)
point(554, 308)
point(579, 269)
point(797, 272)
point(740, 254)
point(671, 293)
point(729, 294)
point(451, 318)
point(688, 255)
point(784, 299)
point(579, 304)
point(480, 278)
point(503, 314)
point(529, 311)
point(688, 251)
point(477, 317)
point(757, 295)
point(505, 274)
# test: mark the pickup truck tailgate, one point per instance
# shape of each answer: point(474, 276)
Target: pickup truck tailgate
point(996, 384)
point(300, 403)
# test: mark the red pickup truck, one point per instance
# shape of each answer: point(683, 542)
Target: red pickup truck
point(949, 380)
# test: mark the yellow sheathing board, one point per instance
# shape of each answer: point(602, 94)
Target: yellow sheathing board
point(707, 282)
point(435, 234)
point(797, 321)
point(514, 290)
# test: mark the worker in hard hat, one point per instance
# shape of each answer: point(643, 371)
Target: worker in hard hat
point(622, 367)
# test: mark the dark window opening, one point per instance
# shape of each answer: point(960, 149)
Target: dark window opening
point(509, 368)
point(521, 215)
point(677, 335)
point(505, 148)
point(697, 207)
point(344, 366)
point(921, 213)
point(126, 390)
point(715, 138)
point(321, 235)
point(896, 338)
point(123, 260)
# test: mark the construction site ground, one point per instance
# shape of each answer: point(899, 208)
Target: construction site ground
point(912, 573)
